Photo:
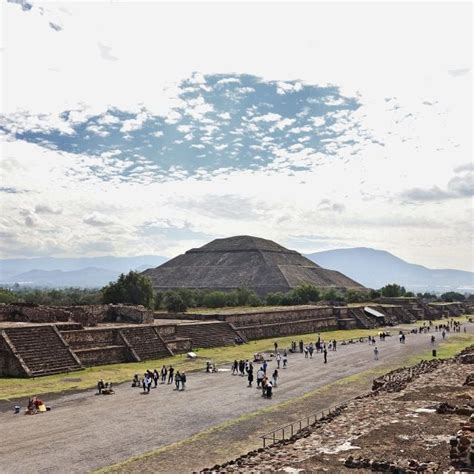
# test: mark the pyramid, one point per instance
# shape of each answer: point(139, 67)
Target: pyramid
point(244, 262)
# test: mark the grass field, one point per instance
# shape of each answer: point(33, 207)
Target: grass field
point(11, 388)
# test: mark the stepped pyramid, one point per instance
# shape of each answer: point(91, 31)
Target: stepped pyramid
point(244, 261)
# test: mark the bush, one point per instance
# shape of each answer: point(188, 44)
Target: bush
point(306, 294)
point(393, 291)
point(354, 296)
point(215, 299)
point(173, 302)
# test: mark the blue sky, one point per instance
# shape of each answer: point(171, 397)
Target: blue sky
point(313, 124)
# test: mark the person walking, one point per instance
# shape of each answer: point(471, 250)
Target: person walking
point(260, 377)
point(183, 380)
point(235, 367)
point(325, 352)
point(164, 373)
point(275, 344)
point(285, 359)
point(311, 350)
point(301, 343)
point(334, 344)
point(156, 377)
point(376, 353)
point(250, 377)
point(170, 374)
point(275, 377)
point(177, 379)
point(278, 359)
point(264, 367)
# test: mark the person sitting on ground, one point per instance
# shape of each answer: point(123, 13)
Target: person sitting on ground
point(208, 366)
point(135, 381)
point(31, 407)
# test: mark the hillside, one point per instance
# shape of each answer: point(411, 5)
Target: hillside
point(91, 272)
point(376, 268)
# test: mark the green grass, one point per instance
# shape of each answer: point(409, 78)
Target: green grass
point(11, 388)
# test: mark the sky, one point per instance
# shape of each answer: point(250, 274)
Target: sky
point(134, 128)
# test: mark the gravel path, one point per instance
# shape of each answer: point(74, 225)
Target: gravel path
point(84, 432)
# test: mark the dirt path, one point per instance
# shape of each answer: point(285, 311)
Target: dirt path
point(85, 432)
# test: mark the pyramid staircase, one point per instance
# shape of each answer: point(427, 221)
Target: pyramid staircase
point(146, 342)
point(41, 350)
point(363, 321)
point(208, 334)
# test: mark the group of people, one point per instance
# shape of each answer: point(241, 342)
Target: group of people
point(35, 405)
point(166, 375)
point(104, 388)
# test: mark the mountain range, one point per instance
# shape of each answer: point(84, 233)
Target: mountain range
point(373, 268)
point(376, 268)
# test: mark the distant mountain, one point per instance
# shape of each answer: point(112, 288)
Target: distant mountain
point(376, 268)
point(90, 272)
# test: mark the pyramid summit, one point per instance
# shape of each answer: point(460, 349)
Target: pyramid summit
point(244, 261)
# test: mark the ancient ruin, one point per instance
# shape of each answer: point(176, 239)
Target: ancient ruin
point(39, 340)
point(245, 262)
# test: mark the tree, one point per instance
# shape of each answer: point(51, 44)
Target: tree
point(451, 296)
point(393, 291)
point(306, 294)
point(7, 296)
point(173, 302)
point(355, 296)
point(133, 288)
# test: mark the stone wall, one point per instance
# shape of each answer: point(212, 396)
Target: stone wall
point(279, 316)
point(263, 331)
point(91, 315)
point(33, 313)
point(103, 355)
point(88, 338)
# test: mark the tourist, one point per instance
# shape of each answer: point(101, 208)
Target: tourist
point(156, 377)
point(164, 373)
point(136, 381)
point(443, 334)
point(264, 386)
point(311, 350)
point(208, 366)
point(264, 366)
point(301, 346)
point(334, 343)
point(376, 353)
point(433, 339)
point(278, 359)
point(268, 389)
point(275, 377)
point(183, 380)
point(260, 377)
point(275, 344)
point(306, 352)
point(242, 368)
point(250, 377)
point(100, 386)
point(325, 352)
point(285, 359)
point(235, 367)
point(170, 374)
point(177, 379)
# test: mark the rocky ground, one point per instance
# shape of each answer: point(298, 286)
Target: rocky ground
point(419, 419)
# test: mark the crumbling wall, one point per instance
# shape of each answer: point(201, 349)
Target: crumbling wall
point(33, 313)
